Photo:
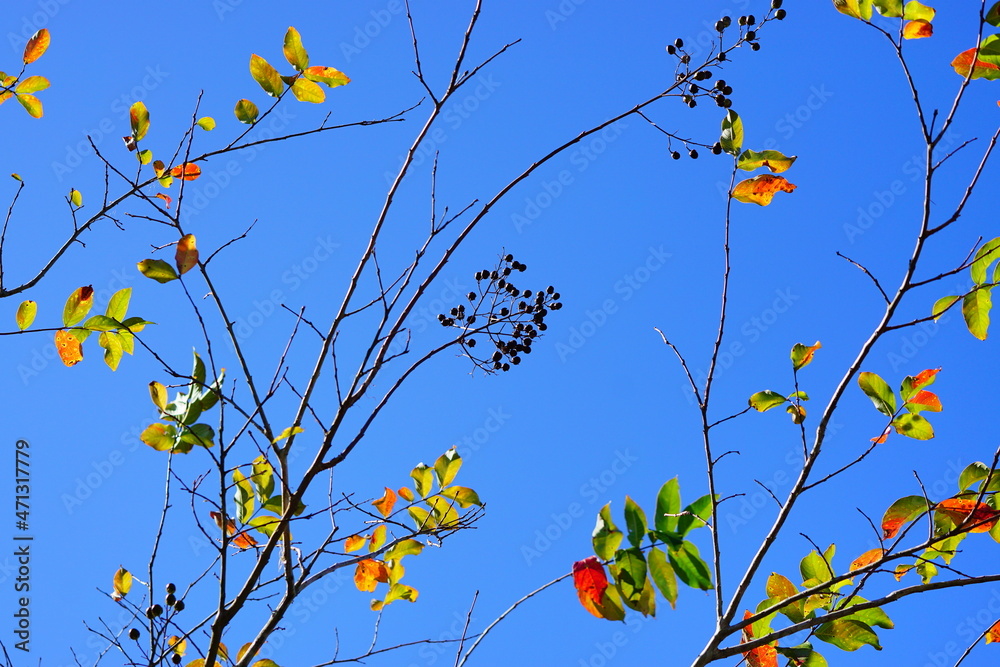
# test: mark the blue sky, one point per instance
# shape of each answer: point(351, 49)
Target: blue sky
point(631, 238)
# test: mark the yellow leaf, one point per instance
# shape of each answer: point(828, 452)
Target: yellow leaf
point(353, 543)
point(122, 583)
point(761, 189)
point(186, 256)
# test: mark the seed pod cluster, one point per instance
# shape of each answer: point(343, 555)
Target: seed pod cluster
point(508, 317)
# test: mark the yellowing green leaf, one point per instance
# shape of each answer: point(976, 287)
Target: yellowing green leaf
point(78, 305)
point(31, 104)
point(976, 310)
point(859, 9)
point(206, 123)
point(157, 270)
point(158, 394)
point(122, 583)
point(773, 160)
point(732, 133)
point(307, 91)
point(288, 432)
point(25, 314)
point(246, 111)
point(446, 467)
point(139, 120)
point(265, 75)
point(294, 52)
point(802, 355)
point(32, 84)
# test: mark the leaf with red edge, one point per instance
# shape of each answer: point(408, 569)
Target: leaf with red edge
point(590, 582)
point(917, 29)
point(761, 189)
point(979, 516)
point(993, 634)
point(165, 198)
point(186, 257)
point(902, 511)
point(924, 400)
point(187, 171)
point(385, 503)
point(867, 558)
point(802, 355)
point(327, 75)
point(981, 69)
point(36, 46)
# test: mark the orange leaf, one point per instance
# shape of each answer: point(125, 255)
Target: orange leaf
point(762, 656)
point(36, 46)
point(928, 399)
point(327, 75)
point(867, 558)
point(369, 573)
point(165, 198)
point(761, 189)
point(353, 543)
point(406, 494)
point(925, 377)
point(244, 541)
point(69, 347)
point(980, 516)
point(993, 634)
point(186, 171)
point(186, 256)
point(882, 438)
point(981, 69)
point(917, 28)
point(385, 503)
point(590, 582)
point(230, 524)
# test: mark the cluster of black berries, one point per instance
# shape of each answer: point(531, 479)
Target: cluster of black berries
point(509, 317)
point(155, 611)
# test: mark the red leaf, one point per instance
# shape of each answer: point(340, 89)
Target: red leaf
point(590, 582)
point(762, 656)
point(186, 171)
point(924, 378)
point(993, 634)
point(981, 69)
point(928, 399)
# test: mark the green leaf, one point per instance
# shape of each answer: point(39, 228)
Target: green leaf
point(446, 467)
point(631, 574)
point(732, 133)
point(873, 616)
point(246, 111)
point(206, 123)
point(606, 537)
point(695, 515)
point(635, 522)
point(464, 496)
point(294, 52)
point(986, 255)
point(244, 496)
point(25, 314)
point(689, 566)
point(973, 473)
point(763, 401)
point(916, 11)
point(266, 76)
point(101, 323)
point(993, 16)
point(157, 270)
point(275, 504)
point(848, 635)
point(78, 305)
point(405, 547)
point(139, 119)
point(113, 350)
point(662, 574)
point(118, 304)
point(815, 570)
point(802, 355)
point(976, 311)
point(880, 393)
point(422, 518)
point(802, 655)
point(265, 524)
point(773, 160)
point(668, 501)
point(889, 8)
point(942, 304)
point(262, 478)
point(201, 435)
point(913, 425)
point(423, 476)
point(144, 156)
point(859, 9)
